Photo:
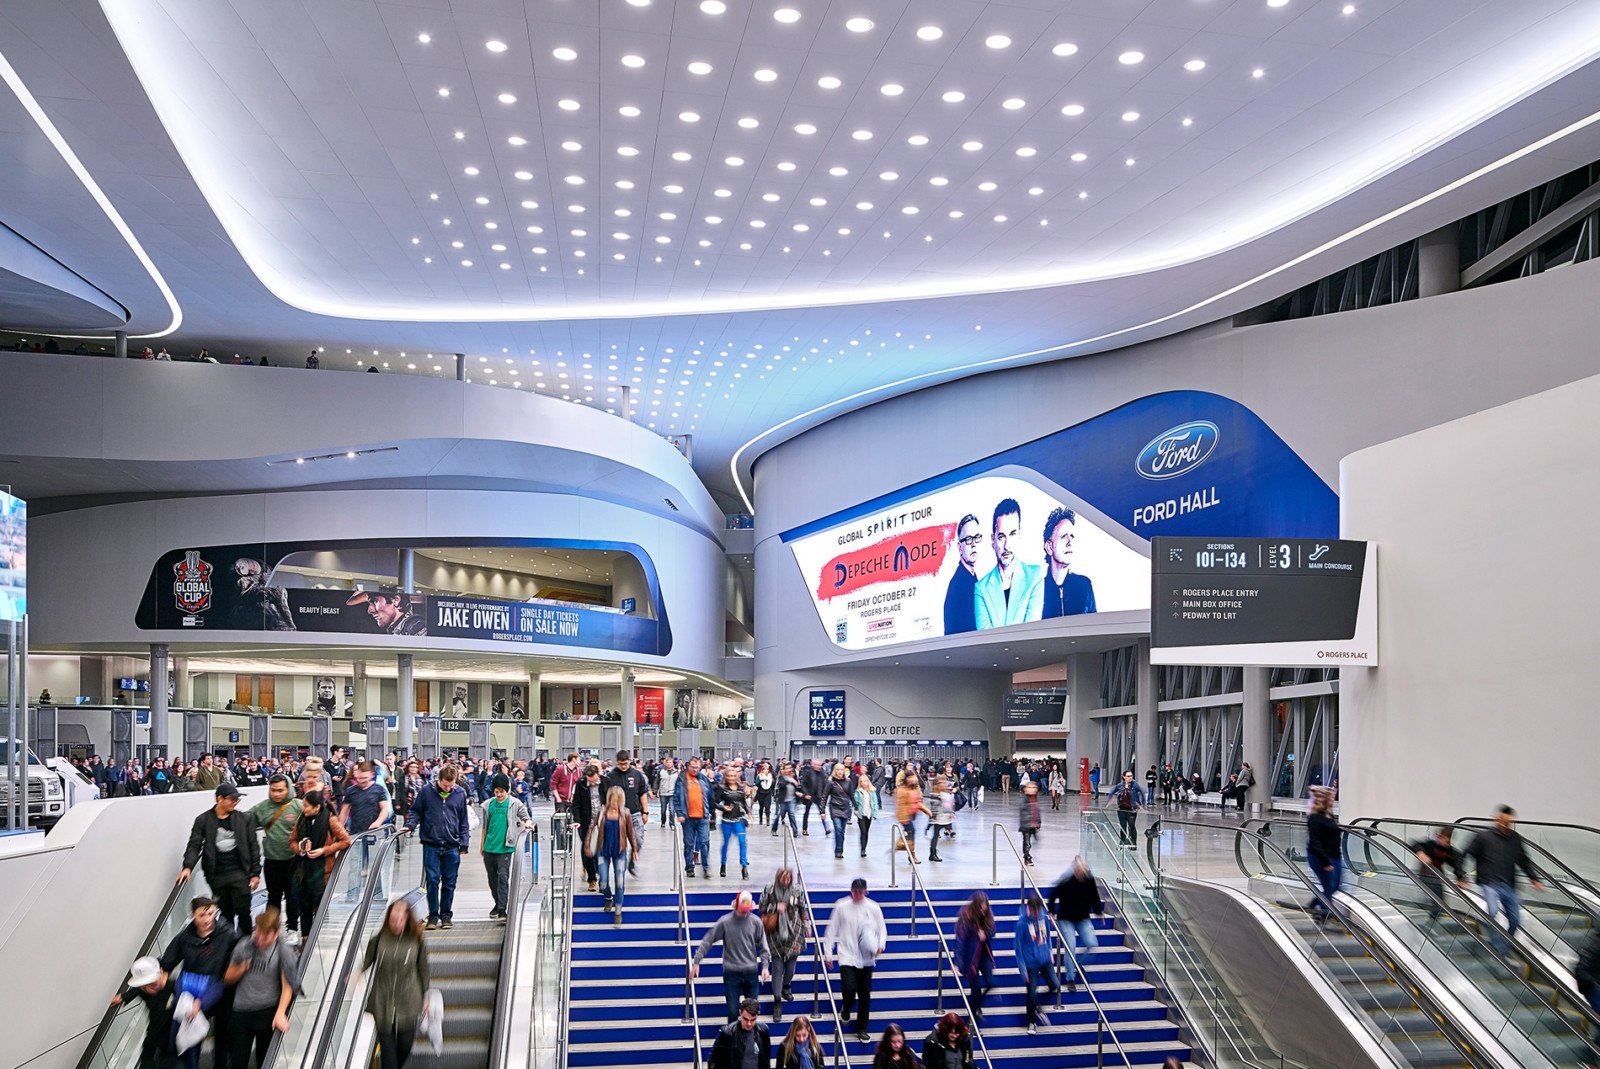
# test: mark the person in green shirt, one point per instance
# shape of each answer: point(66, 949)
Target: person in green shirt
point(276, 817)
point(504, 819)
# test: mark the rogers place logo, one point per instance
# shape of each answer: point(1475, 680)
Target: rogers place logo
point(1177, 451)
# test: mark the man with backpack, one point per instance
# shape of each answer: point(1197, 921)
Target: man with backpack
point(1128, 798)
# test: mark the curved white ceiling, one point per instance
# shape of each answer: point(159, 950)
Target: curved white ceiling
point(559, 160)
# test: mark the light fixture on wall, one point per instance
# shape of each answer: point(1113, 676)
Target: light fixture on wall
point(348, 454)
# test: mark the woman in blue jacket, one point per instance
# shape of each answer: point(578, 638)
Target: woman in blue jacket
point(1032, 945)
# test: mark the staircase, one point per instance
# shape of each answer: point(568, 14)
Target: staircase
point(464, 964)
point(627, 1003)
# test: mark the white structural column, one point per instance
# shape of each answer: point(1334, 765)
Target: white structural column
point(1083, 697)
point(406, 699)
point(628, 726)
point(158, 698)
point(358, 683)
point(1257, 713)
point(1144, 732)
point(1438, 271)
point(535, 699)
point(184, 692)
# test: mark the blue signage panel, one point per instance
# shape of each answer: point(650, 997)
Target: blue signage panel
point(827, 713)
point(629, 604)
point(13, 557)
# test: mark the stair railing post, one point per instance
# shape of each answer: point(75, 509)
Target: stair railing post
point(1100, 1043)
point(941, 985)
point(994, 855)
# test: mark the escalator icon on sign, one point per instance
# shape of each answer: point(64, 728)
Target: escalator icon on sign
point(1320, 552)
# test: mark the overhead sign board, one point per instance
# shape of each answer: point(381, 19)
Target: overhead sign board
point(1302, 602)
point(1034, 710)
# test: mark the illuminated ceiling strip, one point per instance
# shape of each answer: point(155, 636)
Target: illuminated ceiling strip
point(211, 172)
point(31, 105)
point(999, 362)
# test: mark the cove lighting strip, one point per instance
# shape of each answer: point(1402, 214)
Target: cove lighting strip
point(30, 104)
point(350, 454)
point(930, 377)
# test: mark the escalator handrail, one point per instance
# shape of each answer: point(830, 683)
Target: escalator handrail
point(1066, 947)
point(500, 1034)
point(1551, 863)
point(692, 1000)
point(1532, 824)
point(1479, 914)
point(270, 1059)
point(1264, 844)
point(839, 1053)
point(896, 831)
point(1199, 987)
point(339, 977)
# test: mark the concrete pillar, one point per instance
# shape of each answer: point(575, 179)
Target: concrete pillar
point(158, 698)
point(184, 697)
point(1146, 751)
point(461, 367)
point(1083, 690)
point(625, 410)
point(1258, 731)
point(535, 700)
point(1438, 266)
point(122, 345)
point(406, 693)
point(406, 569)
point(628, 725)
point(108, 681)
point(358, 708)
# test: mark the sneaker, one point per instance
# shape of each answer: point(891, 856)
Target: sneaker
point(447, 925)
point(291, 937)
point(605, 906)
point(706, 872)
point(688, 870)
point(777, 1015)
point(594, 884)
point(1033, 1030)
point(616, 917)
point(432, 925)
point(862, 1037)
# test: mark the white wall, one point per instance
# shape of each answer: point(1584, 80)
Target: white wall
point(1487, 616)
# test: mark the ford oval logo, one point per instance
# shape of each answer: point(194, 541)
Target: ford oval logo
point(1177, 451)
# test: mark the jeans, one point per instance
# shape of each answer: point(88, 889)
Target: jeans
point(394, 1047)
point(614, 878)
point(498, 868)
point(639, 823)
point(1033, 976)
point(251, 1029)
point(1497, 897)
point(737, 985)
point(786, 809)
point(731, 828)
point(838, 836)
point(280, 889)
point(1329, 878)
point(696, 836)
point(440, 865)
point(1072, 967)
point(805, 816)
point(855, 985)
point(1128, 826)
point(863, 825)
point(666, 810)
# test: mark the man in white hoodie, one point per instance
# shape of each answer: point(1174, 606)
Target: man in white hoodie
point(855, 937)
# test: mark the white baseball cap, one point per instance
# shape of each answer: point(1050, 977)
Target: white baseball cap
point(145, 971)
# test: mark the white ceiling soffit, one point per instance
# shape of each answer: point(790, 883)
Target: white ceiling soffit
point(390, 161)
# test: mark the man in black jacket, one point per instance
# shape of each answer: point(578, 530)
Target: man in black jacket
point(224, 843)
point(201, 951)
point(588, 801)
point(635, 791)
point(813, 789)
point(1073, 900)
point(1498, 853)
point(744, 1041)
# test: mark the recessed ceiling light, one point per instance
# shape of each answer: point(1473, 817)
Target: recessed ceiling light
point(689, 116)
point(461, 135)
point(627, 150)
point(713, 7)
point(423, 38)
point(891, 89)
point(1129, 58)
point(818, 202)
point(786, 15)
point(1013, 103)
point(572, 146)
point(565, 55)
point(766, 74)
point(1034, 191)
point(863, 205)
point(805, 129)
point(997, 40)
point(699, 66)
point(1079, 157)
point(639, 3)
point(507, 98)
point(523, 176)
point(938, 180)
point(631, 60)
point(953, 96)
point(623, 183)
point(1072, 110)
point(1129, 162)
point(1083, 195)
point(682, 156)
point(628, 111)
point(1026, 151)
point(444, 91)
point(910, 209)
point(466, 263)
point(955, 213)
point(972, 146)
point(758, 224)
point(838, 172)
point(801, 228)
point(516, 142)
point(998, 219)
point(1348, 9)
point(988, 187)
point(470, 172)
point(858, 24)
point(568, 104)
point(749, 123)
point(1277, 3)
point(917, 139)
point(829, 81)
point(785, 165)
point(574, 180)
point(1195, 65)
point(861, 135)
point(1188, 122)
point(929, 33)
point(495, 46)
point(1258, 73)
point(1065, 48)
point(734, 161)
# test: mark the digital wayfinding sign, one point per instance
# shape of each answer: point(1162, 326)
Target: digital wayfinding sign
point(13, 558)
point(1261, 601)
point(1034, 710)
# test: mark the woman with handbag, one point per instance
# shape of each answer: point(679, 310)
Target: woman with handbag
point(786, 917)
point(319, 838)
point(867, 806)
point(611, 842)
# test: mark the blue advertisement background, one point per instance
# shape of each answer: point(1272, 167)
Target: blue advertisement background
point(827, 713)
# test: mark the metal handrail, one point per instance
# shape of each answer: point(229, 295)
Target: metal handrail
point(945, 953)
point(1202, 987)
point(816, 950)
point(1102, 1026)
point(563, 1018)
point(691, 1005)
point(340, 975)
point(500, 1036)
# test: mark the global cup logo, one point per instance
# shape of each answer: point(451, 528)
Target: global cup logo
point(191, 583)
